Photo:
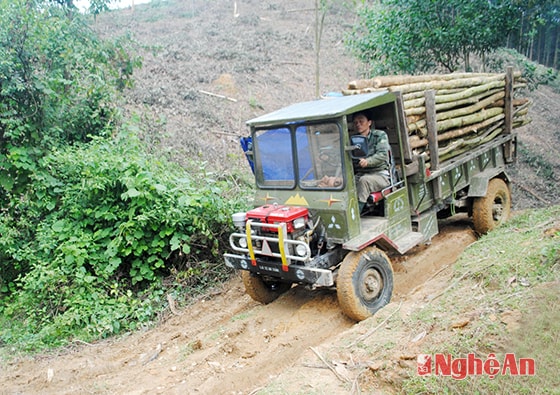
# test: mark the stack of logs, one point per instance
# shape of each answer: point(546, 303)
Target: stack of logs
point(469, 107)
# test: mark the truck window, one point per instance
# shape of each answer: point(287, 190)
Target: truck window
point(274, 162)
point(319, 156)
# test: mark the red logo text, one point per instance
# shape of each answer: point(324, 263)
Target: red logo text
point(459, 368)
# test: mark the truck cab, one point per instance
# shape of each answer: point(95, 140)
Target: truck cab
point(306, 227)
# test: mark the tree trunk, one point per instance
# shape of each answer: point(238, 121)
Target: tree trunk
point(556, 48)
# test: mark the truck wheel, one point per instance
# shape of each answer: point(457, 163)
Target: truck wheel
point(365, 283)
point(493, 209)
point(263, 291)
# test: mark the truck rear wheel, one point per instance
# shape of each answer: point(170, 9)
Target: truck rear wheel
point(365, 283)
point(261, 290)
point(493, 209)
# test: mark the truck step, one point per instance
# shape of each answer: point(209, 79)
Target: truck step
point(407, 241)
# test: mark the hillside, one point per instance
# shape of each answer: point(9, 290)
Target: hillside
point(210, 66)
point(259, 56)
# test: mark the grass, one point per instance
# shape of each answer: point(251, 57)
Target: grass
point(543, 168)
point(241, 316)
point(511, 272)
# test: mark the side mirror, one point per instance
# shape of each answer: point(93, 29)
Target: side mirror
point(359, 147)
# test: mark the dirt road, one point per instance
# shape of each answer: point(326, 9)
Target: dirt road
point(226, 344)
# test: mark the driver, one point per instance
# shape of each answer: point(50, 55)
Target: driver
point(372, 172)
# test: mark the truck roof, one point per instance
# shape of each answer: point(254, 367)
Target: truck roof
point(323, 108)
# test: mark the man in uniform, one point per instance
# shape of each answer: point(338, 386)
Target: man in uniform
point(372, 172)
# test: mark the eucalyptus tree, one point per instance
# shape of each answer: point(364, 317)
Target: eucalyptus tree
point(425, 35)
point(537, 34)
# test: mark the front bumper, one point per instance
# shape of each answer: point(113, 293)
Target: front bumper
point(295, 273)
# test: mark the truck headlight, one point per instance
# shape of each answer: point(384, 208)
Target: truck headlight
point(239, 220)
point(299, 223)
point(242, 242)
point(301, 250)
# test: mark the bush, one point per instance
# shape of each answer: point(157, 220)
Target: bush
point(60, 85)
point(535, 73)
point(92, 221)
point(101, 225)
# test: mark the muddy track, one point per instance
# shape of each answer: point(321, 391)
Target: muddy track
point(227, 344)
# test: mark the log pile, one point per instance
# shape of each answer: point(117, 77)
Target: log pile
point(469, 107)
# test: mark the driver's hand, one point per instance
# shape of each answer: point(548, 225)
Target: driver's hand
point(327, 181)
point(363, 162)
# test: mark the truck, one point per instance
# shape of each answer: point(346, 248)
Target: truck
point(305, 226)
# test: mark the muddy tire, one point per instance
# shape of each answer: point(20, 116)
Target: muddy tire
point(365, 283)
point(263, 291)
point(493, 209)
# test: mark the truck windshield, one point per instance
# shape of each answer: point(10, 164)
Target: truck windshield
point(274, 159)
point(313, 150)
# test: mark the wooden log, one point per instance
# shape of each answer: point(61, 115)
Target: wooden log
point(482, 136)
point(446, 105)
point(468, 106)
point(434, 85)
point(439, 92)
point(415, 111)
point(455, 119)
point(433, 81)
point(413, 95)
point(414, 103)
point(416, 141)
point(451, 134)
point(391, 80)
point(419, 143)
point(472, 91)
point(348, 92)
point(448, 91)
point(403, 130)
point(414, 108)
point(423, 86)
point(417, 126)
point(414, 118)
point(454, 145)
point(517, 123)
point(432, 126)
point(470, 109)
point(509, 147)
point(515, 102)
point(468, 119)
point(521, 112)
point(360, 84)
point(469, 145)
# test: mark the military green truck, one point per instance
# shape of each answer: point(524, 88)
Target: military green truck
point(305, 227)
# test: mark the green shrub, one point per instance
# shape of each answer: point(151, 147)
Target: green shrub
point(535, 74)
point(102, 224)
point(59, 85)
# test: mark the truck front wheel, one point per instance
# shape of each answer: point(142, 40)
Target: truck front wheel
point(493, 209)
point(261, 290)
point(365, 283)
